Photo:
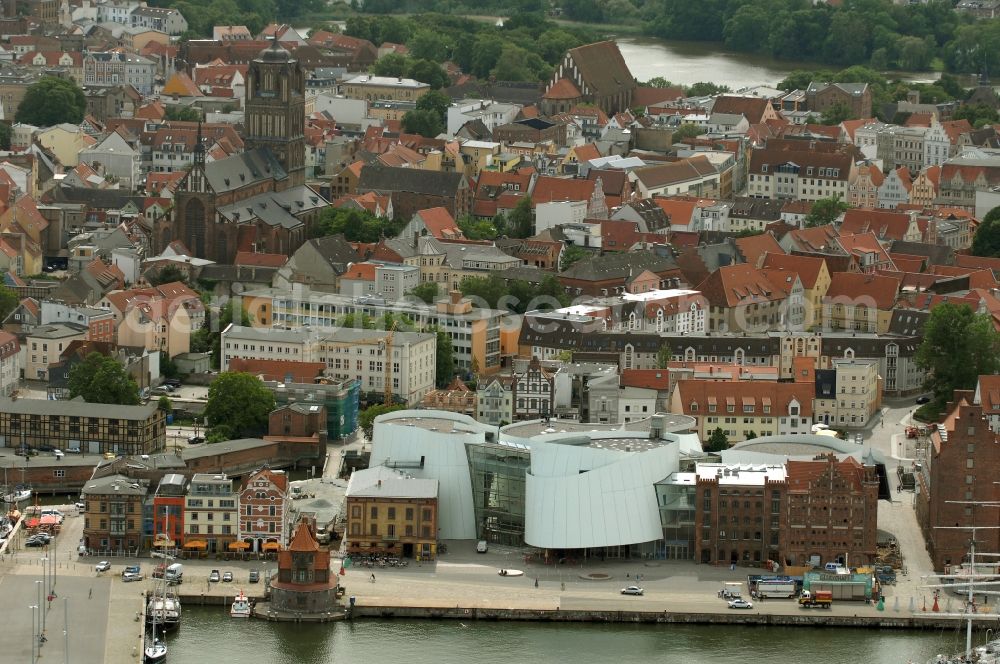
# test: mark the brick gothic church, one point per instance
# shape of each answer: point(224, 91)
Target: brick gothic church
point(255, 201)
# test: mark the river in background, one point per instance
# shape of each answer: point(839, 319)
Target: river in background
point(687, 63)
point(210, 631)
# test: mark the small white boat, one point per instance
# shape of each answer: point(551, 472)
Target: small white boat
point(19, 495)
point(241, 606)
point(156, 652)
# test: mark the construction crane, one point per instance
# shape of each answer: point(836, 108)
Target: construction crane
point(387, 348)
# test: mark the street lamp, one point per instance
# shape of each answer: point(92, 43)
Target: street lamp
point(45, 577)
point(41, 610)
point(34, 630)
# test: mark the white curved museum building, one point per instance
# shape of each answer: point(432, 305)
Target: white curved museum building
point(554, 485)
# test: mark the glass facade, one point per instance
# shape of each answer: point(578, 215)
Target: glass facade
point(498, 473)
point(677, 505)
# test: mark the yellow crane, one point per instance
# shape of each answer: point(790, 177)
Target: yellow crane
point(387, 347)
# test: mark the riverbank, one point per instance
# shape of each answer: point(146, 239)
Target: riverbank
point(807, 618)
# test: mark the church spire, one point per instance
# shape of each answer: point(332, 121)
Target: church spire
point(199, 148)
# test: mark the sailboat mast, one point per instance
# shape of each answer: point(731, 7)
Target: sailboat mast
point(972, 581)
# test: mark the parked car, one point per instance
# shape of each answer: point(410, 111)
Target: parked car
point(227, 577)
point(632, 590)
point(254, 576)
point(128, 577)
point(26, 451)
point(923, 400)
point(172, 382)
point(102, 566)
point(46, 448)
point(214, 576)
point(32, 542)
point(196, 440)
point(131, 569)
point(740, 604)
point(482, 546)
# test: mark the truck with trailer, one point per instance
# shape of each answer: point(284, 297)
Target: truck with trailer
point(819, 598)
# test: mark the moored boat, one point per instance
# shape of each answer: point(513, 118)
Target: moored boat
point(18, 495)
point(164, 611)
point(155, 653)
point(241, 606)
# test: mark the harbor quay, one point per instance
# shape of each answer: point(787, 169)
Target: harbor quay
point(462, 584)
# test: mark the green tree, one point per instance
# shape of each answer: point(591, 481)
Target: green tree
point(5, 132)
point(705, 89)
point(51, 101)
point(8, 301)
point(657, 82)
point(425, 123)
point(427, 291)
point(167, 275)
point(435, 101)
point(717, 442)
point(429, 72)
point(825, 211)
point(238, 405)
point(686, 131)
point(477, 229)
point(484, 290)
point(986, 241)
point(444, 371)
point(167, 366)
point(354, 225)
point(976, 114)
point(366, 418)
point(101, 379)
point(571, 253)
point(426, 44)
point(164, 404)
point(392, 64)
point(959, 345)
point(836, 114)
point(182, 113)
point(521, 224)
point(663, 357)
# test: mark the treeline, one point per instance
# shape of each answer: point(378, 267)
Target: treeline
point(255, 14)
point(524, 49)
point(875, 33)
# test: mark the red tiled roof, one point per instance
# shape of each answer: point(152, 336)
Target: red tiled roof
point(885, 224)
point(801, 475)
point(807, 267)
point(259, 259)
point(360, 272)
point(549, 189)
point(651, 379)
point(563, 89)
point(440, 223)
point(754, 247)
point(756, 395)
point(734, 285)
point(878, 289)
point(279, 370)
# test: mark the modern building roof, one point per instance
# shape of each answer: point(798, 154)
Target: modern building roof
point(76, 408)
point(383, 482)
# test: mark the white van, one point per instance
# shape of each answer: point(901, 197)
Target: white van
point(482, 546)
point(174, 573)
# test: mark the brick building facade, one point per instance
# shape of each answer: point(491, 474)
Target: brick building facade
point(263, 509)
point(960, 467)
point(790, 514)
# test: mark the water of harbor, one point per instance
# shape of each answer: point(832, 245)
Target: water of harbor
point(687, 63)
point(210, 631)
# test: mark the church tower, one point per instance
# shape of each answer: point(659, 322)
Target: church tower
point(275, 110)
